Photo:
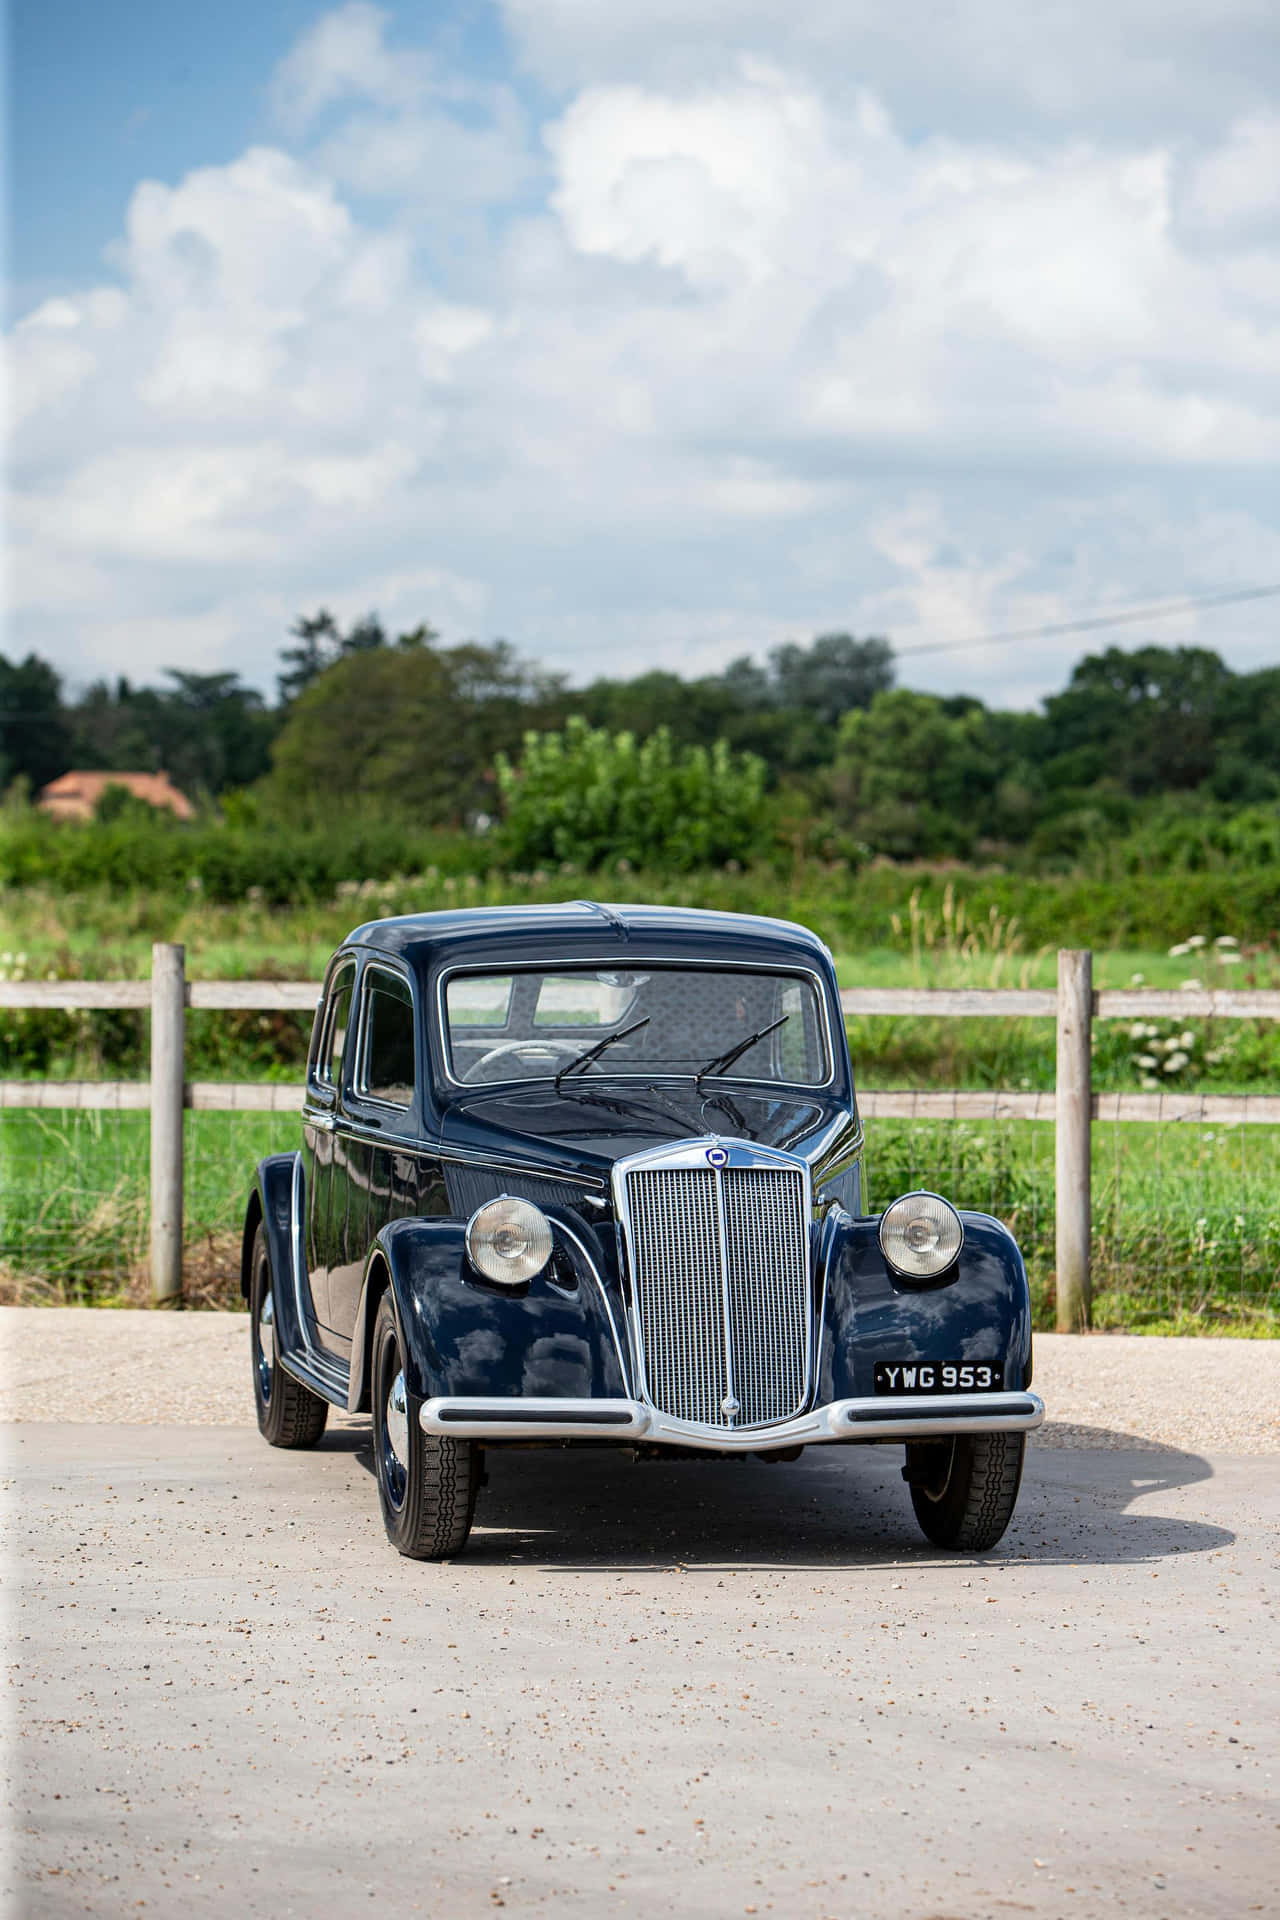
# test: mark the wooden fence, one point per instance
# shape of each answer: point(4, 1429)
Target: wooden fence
point(1072, 1107)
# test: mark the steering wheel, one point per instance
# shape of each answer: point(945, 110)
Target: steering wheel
point(542, 1051)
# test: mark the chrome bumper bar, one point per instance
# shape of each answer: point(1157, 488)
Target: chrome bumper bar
point(910, 1417)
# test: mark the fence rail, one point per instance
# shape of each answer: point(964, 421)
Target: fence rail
point(1071, 1109)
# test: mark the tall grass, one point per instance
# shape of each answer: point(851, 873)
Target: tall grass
point(1187, 1234)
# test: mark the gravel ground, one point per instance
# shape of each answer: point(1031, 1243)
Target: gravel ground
point(83, 1364)
point(674, 1688)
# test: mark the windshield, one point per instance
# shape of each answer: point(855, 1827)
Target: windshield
point(535, 1025)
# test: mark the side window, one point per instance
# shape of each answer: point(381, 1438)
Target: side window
point(387, 1073)
point(335, 1026)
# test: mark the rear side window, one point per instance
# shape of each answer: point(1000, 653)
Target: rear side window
point(388, 1071)
point(334, 1028)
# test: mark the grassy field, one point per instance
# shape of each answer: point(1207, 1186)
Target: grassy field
point(1187, 1223)
point(1187, 1234)
point(929, 945)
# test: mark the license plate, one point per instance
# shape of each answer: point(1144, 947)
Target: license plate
point(932, 1376)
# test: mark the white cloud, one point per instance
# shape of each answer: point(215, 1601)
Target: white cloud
point(1237, 184)
point(751, 363)
point(345, 56)
point(1124, 68)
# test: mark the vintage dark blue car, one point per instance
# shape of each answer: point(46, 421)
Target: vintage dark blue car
point(588, 1173)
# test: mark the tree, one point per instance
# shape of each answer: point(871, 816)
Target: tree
point(207, 730)
point(412, 729)
point(832, 675)
point(319, 645)
point(911, 778)
point(35, 741)
point(1147, 719)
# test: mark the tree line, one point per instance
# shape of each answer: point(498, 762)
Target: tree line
point(819, 737)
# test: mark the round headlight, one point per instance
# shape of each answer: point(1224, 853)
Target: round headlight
point(920, 1235)
point(509, 1240)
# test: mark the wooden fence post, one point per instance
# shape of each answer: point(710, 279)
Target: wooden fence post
point(1073, 1111)
point(168, 1065)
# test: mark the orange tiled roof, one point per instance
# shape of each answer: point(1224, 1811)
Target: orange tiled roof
point(74, 795)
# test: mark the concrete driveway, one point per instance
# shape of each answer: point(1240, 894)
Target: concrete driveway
point(697, 1689)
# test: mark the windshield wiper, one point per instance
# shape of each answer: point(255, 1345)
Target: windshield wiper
point(593, 1053)
point(725, 1060)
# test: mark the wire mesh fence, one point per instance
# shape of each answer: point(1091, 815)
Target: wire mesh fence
point(1185, 1190)
point(75, 1200)
point(1186, 1213)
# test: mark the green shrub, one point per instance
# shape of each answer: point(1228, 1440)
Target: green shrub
point(595, 797)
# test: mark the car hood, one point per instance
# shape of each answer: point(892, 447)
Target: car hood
point(588, 1127)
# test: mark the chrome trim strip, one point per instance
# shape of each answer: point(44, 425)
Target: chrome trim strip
point(726, 1304)
point(496, 1163)
point(847, 1422)
point(489, 1419)
point(597, 961)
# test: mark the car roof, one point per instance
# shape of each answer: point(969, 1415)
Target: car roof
point(587, 930)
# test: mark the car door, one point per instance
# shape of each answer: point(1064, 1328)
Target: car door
point(329, 1059)
point(381, 1109)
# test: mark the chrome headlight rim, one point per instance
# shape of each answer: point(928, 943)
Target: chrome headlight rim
point(925, 1264)
point(509, 1240)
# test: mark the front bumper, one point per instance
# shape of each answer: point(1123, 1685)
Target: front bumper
point(915, 1417)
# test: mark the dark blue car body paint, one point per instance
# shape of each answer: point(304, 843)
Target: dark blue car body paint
point(404, 1201)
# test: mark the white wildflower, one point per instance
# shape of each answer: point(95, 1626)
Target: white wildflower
point(1191, 986)
point(1148, 1084)
point(1226, 940)
point(1227, 959)
point(1187, 1040)
point(1137, 1031)
point(1177, 953)
point(1147, 1061)
point(1137, 979)
point(1176, 1062)
point(1197, 940)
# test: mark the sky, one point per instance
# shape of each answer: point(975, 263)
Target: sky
point(644, 334)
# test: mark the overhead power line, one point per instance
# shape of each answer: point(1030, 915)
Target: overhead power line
point(1160, 610)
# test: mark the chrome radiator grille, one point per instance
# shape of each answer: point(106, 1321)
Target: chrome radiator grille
point(721, 1272)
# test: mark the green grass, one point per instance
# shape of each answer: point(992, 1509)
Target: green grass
point(74, 1201)
point(1186, 1220)
point(1186, 1229)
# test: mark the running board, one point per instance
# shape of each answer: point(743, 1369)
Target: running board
point(323, 1374)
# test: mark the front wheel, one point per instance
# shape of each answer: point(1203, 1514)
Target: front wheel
point(289, 1414)
point(964, 1489)
point(427, 1482)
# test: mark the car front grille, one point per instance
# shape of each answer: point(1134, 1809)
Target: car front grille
point(721, 1271)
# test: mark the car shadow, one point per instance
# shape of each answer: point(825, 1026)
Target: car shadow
point(590, 1508)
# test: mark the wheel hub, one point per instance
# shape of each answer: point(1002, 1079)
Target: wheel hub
point(397, 1420)
point(266, 1341)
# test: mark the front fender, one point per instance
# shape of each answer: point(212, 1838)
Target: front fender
point(275, 1202)
point(981, 1312)
point(554, 1337)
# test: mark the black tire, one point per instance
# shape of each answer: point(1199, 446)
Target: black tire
point(289, 1414)
point(427, 1482)
point(964, 1489)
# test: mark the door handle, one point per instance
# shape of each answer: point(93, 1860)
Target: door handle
point(323, 1122)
